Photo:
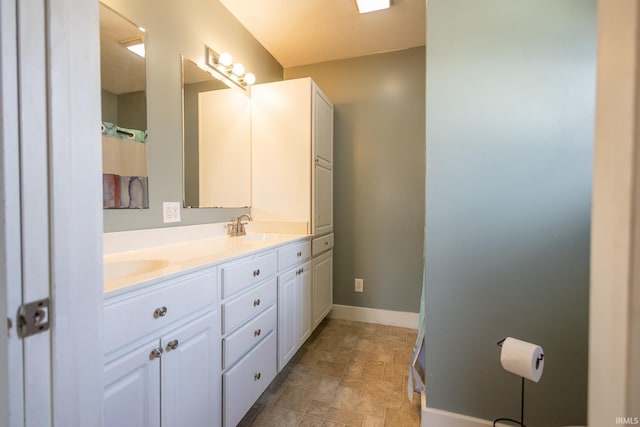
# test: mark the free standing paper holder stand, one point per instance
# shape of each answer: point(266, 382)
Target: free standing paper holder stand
point(511, 420)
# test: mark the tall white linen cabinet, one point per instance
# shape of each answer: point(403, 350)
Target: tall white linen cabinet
point(292, 177)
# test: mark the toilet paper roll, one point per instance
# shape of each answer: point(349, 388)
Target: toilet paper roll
point(522, 358)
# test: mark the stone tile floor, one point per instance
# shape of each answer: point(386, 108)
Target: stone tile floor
point(346, 374)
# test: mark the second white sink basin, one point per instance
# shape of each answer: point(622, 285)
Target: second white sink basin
point(114, 270)
point(259, 236)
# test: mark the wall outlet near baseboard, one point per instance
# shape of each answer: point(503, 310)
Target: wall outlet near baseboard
point(170, 212)
point(359, 285)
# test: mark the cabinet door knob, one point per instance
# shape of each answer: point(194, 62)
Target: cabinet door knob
point(172, 345)
point(256, 302)
point(160, 312)
point(256, 273)
point(257, 332)
point(155, 353)
point(257, 376)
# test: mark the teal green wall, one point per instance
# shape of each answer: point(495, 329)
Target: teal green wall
point(378, 175)
point(174, 29)
point(510, 107)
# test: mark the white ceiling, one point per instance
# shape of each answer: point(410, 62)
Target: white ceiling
point(301, 32)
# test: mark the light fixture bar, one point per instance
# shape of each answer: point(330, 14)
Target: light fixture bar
point(366, 6)
point(231, 73)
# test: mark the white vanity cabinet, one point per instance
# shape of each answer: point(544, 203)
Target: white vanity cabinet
point(163, 358)
point(249, 331)
point(294, 299)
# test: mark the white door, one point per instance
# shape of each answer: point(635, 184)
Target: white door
point(287, 317)
point(191, 383)
point(132, 389)
point(50, 216)
point(304, 303)
point(322, 286)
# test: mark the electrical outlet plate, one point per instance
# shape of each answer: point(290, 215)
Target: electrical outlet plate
point(170, 212)
point(359, 285)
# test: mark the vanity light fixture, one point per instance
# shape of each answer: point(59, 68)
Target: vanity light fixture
point(233, 74)
point(366, 6)
point(135, 45)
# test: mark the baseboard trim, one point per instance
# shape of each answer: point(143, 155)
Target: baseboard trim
point(375, 315)
point(435, 417)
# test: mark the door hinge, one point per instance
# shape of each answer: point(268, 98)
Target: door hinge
point(33, 318)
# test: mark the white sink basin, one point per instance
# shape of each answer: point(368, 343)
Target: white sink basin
point(259, 236)
point(114, 270)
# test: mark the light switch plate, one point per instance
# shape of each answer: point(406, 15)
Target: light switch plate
point(171, 212)
point(359, 285)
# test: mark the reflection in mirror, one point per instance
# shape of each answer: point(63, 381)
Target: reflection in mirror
point(216, 141)
point(124, 112)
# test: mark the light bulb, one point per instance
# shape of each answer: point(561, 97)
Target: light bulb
point(249, 78)
point(238, 69)
point(225, 59)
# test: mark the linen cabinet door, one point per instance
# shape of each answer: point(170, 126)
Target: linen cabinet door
point(132, 389)
point(191, 383)
point(323, 128)
point(323, 201)
point(322, 286)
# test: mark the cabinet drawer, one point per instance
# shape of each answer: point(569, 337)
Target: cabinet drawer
point(242, 275)
point(244, 307)
point(245, 382)
point(240, 342)
point(322, 244)
point(293, 253)
point(129, 319)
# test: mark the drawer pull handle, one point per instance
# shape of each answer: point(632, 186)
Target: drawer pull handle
point(172, 345)
point(257, 332)
point(326, 243)
point(256, 302)
point(160, 312)
point(257, 376)
point(256, 273)
point(155, 353)
point(299, 254)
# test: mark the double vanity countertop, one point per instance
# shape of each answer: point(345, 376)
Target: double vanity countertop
point(141, 265)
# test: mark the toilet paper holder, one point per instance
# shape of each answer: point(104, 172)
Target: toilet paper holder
point(511, 420)
point(538, 360)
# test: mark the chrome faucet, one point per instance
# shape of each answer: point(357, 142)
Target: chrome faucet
point(236, 227)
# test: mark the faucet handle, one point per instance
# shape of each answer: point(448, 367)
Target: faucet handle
point(232, 229)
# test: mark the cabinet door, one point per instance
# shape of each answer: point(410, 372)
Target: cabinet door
point(322, 286)
point(304, 303)
point(132, 389)
point(323, 129)
point(323, 201)
point(287, 317)
point(191, 383)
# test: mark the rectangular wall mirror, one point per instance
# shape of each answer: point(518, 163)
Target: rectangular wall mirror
point(124, 112)
point(216, 141)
